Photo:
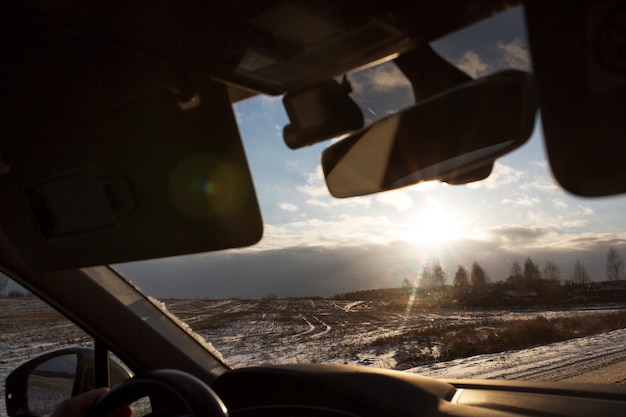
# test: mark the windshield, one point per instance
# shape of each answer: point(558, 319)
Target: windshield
point(506, 278)
point(466, 281)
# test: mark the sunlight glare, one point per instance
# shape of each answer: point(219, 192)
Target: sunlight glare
point(409, 305)
point(433, 224)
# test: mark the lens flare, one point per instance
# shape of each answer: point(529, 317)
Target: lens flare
point(211, 188)
point(203, 187)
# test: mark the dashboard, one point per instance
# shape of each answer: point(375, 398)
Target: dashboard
point(338, 390)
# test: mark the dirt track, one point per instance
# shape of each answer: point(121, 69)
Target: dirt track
point(614, 373)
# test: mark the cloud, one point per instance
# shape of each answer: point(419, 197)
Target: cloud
point(573, 224)
point(259, 108)
point(334, 231)
point(319, 202)
point(543, 164)
point(559, 203)
point(500, 176)
point(313, 190)
point(509, 55)
point(270, 101)
point(303, 271)
point(382, 78)
point(315, 184)
point(543, 183)
point(325, 271)
point(473, 65)
point(519, 234)
point(387, 77)
point(397, 199)
point(515, 54)
point(587, 211)
point(288, 207)
point(329, 202)
point(523, 200)
point(559, 221)
point(315, 177)
point(380, 91)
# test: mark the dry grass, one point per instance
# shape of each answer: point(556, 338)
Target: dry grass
point(446, 342)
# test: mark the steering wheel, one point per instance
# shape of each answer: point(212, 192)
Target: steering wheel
point(187, 392)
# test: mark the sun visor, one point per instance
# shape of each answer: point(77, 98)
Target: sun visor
point(582, 90)
point(160, 176)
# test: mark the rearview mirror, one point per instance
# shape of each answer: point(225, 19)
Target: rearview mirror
point(453, 137)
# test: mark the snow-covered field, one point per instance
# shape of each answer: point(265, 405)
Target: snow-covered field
point(300, 331)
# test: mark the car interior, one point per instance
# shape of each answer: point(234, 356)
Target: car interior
point(119, 143)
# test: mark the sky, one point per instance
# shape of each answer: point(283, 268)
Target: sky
point(317, 245)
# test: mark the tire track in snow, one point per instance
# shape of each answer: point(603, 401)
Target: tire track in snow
point(309, 330)
point(323, 332)
point(350, 306)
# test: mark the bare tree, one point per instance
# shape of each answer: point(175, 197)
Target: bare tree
point(614, 265)
point(516, 276)
point(551, 272)
point(437, 275)
point(531, 270)
point(461, 277)
point(516, 272)
point(425, 278)
point(433, 276)
point(478, 276)
point(579, 275)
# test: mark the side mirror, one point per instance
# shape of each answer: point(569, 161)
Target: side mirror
point(454, 137)
point(37, 387)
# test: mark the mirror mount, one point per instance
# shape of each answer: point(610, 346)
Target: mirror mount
point(320, 112)
point(428, 73)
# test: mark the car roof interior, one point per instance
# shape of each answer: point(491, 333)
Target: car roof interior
point(112, 110)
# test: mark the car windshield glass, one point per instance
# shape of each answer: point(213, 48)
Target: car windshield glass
point(467, 281)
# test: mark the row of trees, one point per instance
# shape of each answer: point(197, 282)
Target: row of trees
point(527, 283)
point(526, 278)
point(4, 283)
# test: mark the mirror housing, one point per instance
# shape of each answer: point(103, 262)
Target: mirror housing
point(38, 386)
point(453, 137)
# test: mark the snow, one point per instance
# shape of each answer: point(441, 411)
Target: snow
point(252, 332)
point(553, 362)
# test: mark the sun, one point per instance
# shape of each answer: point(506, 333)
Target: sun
point(432, 224)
